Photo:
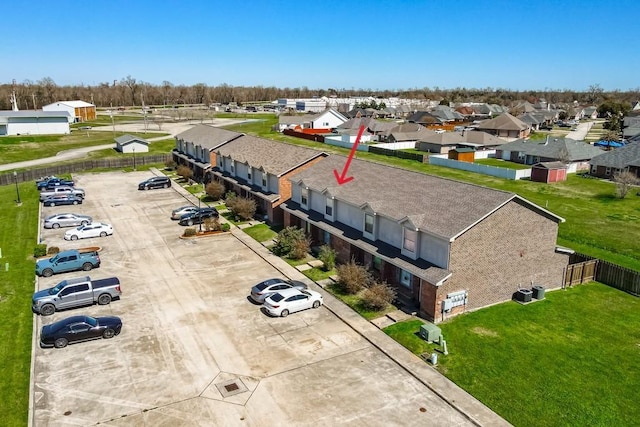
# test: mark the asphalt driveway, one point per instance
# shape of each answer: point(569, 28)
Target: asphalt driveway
point(194, 350)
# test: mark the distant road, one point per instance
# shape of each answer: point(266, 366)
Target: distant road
point(581, 131)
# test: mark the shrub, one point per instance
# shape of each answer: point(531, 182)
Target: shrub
point(300, 248)
point(378, 296)
point(352, 277)
point(225, 227)
point(230, 199)
point(624, 181)
point(40, 250)
point(211, 224)
point(328, 257)
point(215, 190)
point(170, 164)
point(51, 250)
point(243, 208)
point(189, 232)
point(285, 240)
point(185, 172)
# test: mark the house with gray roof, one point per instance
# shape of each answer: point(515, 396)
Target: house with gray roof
point(445, 246)
point(260, 169)
point(441, 143)
point(131, 144)
point(624, 158)
point(195, 147)
point(505, 126)
point(574, 154)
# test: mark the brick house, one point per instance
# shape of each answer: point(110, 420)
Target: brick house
point(505, 126)
point(260, 168)
point(624, 158)
point(196, 147)
point(446, 246)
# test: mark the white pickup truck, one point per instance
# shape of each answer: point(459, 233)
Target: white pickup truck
point(63, 189)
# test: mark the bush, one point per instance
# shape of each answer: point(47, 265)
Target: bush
point(225, 227)
point(353, 277)
point(300, 249)
point(243, 208)
point(211, 224)
point(328, 257)
point(40, 250)
point(230, 199)
point(189, 232)
point(169, 164)
point(378, 296)
point(185, 172)
point(214, 189)
point(52, 250)
point(286, 239)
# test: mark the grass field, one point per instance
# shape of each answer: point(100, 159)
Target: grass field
point(568, 360)
point(502, 164)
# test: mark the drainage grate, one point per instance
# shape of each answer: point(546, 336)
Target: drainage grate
point(231, 387)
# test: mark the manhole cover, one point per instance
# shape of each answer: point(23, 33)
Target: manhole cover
point(231, 387)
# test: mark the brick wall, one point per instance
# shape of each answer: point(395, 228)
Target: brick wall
point(510, 248)
point(342, 248)
point(284, 185)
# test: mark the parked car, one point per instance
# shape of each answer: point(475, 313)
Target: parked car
point(198, 216)
point(95, 229)
point(69, 260)
point(564, 125)
point(66, 220)
point(265, 289)
point(62, 199)
point(45, 178)
point(183, 210)
point(75, 292)
point(63, 189)
point(79, 328)
point(291, 300)
point(155, 182)
point(54, 182)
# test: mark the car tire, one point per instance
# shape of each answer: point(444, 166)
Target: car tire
point(166, 186)
point(103, 234)
point(47, 309)
point(146, 187)
point(87, 266)
point(83, 223)
point(108, 333)
point(75, 202)
point(190, 222)
point(55, 225)
point(284, 313)
point(52, 204)
point(60, 343)
point(104, 299)
point(73, 237)
point(47, 272)
point(316, 304)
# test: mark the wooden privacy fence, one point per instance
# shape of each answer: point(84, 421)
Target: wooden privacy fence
point(80, 166)
point(396, 153)
point(583, 268)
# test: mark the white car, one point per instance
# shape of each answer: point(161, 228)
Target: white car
point(95, 229)
point(291, 300)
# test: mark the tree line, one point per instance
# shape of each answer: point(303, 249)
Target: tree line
point(130, 91)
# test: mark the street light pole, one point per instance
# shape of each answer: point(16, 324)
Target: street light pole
point(134, 157)
point(15, 177)
point(199, 212)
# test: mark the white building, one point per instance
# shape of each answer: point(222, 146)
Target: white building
point(132, 144)
point(79, 111)
point(32, 122)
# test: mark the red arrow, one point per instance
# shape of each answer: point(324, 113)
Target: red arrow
point(341, 178)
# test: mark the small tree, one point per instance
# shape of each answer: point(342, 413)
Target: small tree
point(185, 172)
point(170, 164)
point(230, 199)
point(378, 296)
point(214, 189)
point(624, 181)
point(211, 224)
point(286, 240)
point(243, 207)
point(353, 277)
point(328, 257)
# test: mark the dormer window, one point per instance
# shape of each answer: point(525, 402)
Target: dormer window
point(264, 180)
point(409, 241)
point(249, 174)
point(368, 223)
point(233, 169)
point(304, 197)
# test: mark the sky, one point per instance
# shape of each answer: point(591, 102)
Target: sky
point(323, 44)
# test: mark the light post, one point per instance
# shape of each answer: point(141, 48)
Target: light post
point(15, 177)
point(199, 212)
point(134, 156)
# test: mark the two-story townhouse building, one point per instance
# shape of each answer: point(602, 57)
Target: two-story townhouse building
point(196, 147)
point(260, 168)
point(447, 245)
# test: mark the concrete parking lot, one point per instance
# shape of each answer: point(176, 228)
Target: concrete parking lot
point(194, 350)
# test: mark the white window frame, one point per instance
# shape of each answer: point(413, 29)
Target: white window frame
point(265, 181)
point(249, 174)
point(405, 278)
point(304, 197)
point(329, 208)
point(406, 238)
point(373, 223)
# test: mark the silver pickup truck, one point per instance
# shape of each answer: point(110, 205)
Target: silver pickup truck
point(75, 293)
point(63, 189)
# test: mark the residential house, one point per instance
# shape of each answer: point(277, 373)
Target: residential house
point(196, 147)
point(446, 246)
point(131, 144)
point(372, 126)
point(405, 132)
point(590, 113)
point(442, 143)
point(574, 154)
point(260, 168)
point(624, 158)
point(321, 123)
point(426, 118)
point(505, 126)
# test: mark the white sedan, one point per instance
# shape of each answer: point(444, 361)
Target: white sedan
point(95, 229)
point(291, 300)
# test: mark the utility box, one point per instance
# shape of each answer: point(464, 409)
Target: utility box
point(523, 295)
point(538, 292)
point(430, 332)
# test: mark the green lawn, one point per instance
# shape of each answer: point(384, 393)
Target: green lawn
point(502, 164)
point(105, 120)
point(317, 274)
point(261, 232)
point(18, 237)
point(571, 359)
point(355, 302)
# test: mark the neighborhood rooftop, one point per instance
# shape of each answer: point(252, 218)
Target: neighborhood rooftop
point(208, 136)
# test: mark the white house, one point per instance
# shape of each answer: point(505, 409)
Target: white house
point(132, 144)
point(79, 111)
point(31, 122)
point(328, 119)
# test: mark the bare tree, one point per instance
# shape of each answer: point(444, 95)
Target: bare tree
point(133, 85)
point(624, 181)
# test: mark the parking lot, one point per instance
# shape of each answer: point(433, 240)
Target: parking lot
point(194, 350)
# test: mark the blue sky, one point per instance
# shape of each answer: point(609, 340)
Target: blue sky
point(392, 44)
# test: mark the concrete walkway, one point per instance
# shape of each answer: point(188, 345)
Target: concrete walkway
point(581, 131)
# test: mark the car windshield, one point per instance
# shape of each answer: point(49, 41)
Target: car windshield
point(58, 287)
point(277, 297)
point(263, 285)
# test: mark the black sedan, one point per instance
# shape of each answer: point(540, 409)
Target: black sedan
point(62, 199)
point(199, 216)
point(79, 328)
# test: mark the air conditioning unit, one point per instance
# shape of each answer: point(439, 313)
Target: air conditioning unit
point(430, 332)
point(523, 295)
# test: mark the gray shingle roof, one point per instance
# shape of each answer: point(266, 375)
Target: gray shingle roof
point(274, 157)
point(125, 139)
point(620, 158)
point(504, 121)
point(439, 206)
point(554, 148)
point(207, 136)
point(475, 138)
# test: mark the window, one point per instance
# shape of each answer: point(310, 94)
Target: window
point(66, 291)
point(82, 288)
point(368, 223)
point(264, 180)
point(304, 195)
point(405, 278)
point(607, 171)
point(409, 242)
point(377, 263)
point(329, 207)
point(233, 169)
point(326, 237)
point(249, 174)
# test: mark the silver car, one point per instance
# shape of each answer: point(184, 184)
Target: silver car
point(183, 210)
point(263, 290)
point(66, 220)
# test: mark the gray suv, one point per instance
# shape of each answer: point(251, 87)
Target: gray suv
point(155, 182)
